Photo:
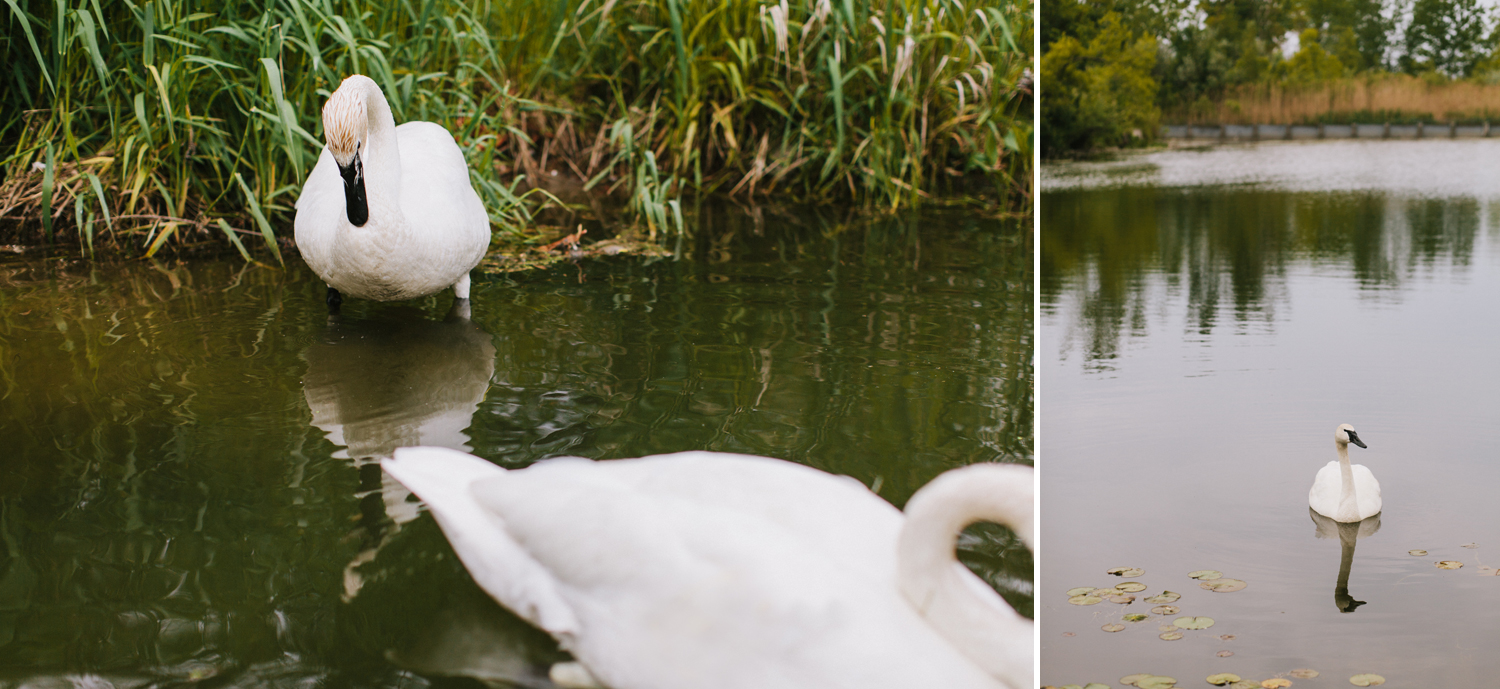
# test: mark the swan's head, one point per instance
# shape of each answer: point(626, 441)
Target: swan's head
point(1345, 435)
point(345, 122)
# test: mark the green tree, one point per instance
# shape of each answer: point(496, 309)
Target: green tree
point(1446, 36)
point(1349, 27)
point(1311, 64)
point(1098, 94)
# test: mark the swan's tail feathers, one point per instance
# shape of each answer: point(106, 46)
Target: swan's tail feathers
point(443, 478)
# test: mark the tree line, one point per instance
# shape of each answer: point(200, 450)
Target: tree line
point(1110, 69)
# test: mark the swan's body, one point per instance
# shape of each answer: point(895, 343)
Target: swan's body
point(1341, 491)
point(709, 570)
point(388, 212)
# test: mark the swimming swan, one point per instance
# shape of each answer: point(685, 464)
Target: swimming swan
point(702, 569)
point(388, 212)
point(1342, 492)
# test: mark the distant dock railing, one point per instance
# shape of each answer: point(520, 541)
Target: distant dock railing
point(1283, 132)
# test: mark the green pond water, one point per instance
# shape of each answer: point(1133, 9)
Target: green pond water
point(188, 480)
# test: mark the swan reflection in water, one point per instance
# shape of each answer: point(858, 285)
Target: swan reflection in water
point(1347, 533)
point(376, 385)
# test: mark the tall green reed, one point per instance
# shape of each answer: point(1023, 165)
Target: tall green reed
point(175, 119)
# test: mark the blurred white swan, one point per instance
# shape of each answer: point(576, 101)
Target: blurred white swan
point(1344, 492)
point(388, 213)
point(700, 569)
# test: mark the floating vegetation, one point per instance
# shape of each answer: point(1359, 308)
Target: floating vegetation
point(1137, 617)
point(1220, 585)
point(1417, 553)
point(1367, 680)
point(1448, 564)
point(1304, 673)
point(1165, 597)
point(1224, 654)
point(1193, 622)
point(1171, 636)
point(1113, 627)
point(1080, 591)
point(1205, 574)
point(1226, 637)
point(1276, 683)
point(1126, 571)
point(1148, 681)
point(1131, 586)
point(1223, 678)
point(1122, 599)
point(1165, 610)
point(1085, 600)
point(1471, 545)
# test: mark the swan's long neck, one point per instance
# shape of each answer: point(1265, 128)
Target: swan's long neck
point(960, 606)
point(1348, 502)
point(358, 114)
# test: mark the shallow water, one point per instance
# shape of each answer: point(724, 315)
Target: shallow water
point(1199, 343)
point(190, 489)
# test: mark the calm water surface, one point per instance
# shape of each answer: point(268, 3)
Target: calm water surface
point(1199, 343)
point(190, 488)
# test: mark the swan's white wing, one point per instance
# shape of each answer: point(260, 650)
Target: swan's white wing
point(834, 515)
point(443, 479)
point(321, 210)
point(437, 196)
point(1367, 490)
point(1324, 495)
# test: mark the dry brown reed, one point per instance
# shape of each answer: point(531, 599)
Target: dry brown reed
point(1389, 97)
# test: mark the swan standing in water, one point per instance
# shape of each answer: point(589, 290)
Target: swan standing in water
point(388, 213)
point(701, 569)
point(1342, 492)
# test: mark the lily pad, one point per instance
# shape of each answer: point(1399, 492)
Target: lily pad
point(1166, 628)
point(1126, 571)
point(1367, 680)
point(1222, 585)
point(1137, 617)
point(1095, 685)
point(1080, 591)
point(1164, 597)
point(1245, 684)
point(1131, 587)
point(1085, 600)
point(1448, 564)
point(1122, 599)
point(1304, 673)
point(1205, 574)
point(1193, 622)
point(1416, 553)
point(1275, 683)
point(1157, 682)
point(1223, 678)
point(1171, 636)
point(1226, 637)
point(1165, 610)
point(1130, 680)
point(1224, 654)
point(1113, 627)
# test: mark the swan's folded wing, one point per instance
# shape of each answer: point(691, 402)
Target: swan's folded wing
point(443, 478)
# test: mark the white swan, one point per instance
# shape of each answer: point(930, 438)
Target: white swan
point(701, 569)
point(1342, 492)
point(388, 212)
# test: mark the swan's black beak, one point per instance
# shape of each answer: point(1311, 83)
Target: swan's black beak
point(1353, 438)
point(357, 208)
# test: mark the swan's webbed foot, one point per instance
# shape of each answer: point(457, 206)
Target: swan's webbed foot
point(460, 311)
point(334, 299)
